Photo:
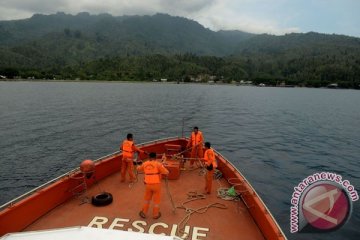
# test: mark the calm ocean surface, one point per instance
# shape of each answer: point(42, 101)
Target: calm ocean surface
point(275, 136)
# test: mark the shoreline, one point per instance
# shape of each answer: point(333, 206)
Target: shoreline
point(158, 82)
point(64, 80)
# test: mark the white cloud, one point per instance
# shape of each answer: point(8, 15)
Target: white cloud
point(214, 14)
point(115, 7)
point(33, 5)
point(13, 14)
point(18, 9)
point(231, 15)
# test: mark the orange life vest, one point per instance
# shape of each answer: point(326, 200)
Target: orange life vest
point(127, 148)
point(209, 156)
point(196, 138)
point(152, 172)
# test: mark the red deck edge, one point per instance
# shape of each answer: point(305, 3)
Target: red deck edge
point(19, 215)
point(255, 205)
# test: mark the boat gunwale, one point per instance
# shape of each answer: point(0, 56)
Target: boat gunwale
point(256, 194)
point(75, 171)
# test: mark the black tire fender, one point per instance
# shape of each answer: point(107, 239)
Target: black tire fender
point(102, 199)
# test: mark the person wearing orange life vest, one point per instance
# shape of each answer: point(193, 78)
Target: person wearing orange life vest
point(196, 144)
point(210, 164)
point(128, 149)
point(152, 170)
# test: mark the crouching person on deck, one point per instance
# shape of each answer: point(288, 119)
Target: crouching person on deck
point(128, 147)
point(210, 164)
point(153, 171)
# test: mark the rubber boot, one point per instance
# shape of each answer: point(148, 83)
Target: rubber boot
point(145, 208)
point(156, 212)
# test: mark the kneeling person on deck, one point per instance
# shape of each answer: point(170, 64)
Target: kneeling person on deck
point(153, 171)
point(210, 164)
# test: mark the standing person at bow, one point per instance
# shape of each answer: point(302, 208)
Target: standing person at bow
point(152, 170)
point(128, 148)
point(210, 164)
point(196, 144)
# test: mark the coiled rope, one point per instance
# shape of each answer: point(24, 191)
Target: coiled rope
point(193, 196)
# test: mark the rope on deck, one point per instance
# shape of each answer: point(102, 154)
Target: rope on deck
point(193, 196)
point(224, 194)
point(169, 195)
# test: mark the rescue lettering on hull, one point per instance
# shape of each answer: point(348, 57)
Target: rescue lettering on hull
point(196, 233)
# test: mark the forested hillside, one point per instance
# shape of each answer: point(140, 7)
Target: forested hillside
point(142, 48)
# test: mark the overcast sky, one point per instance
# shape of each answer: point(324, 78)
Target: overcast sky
point(256, 16)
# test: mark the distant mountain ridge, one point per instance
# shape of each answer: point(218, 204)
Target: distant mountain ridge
point(50, 43)
point(134, 35)
point(84, 37)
